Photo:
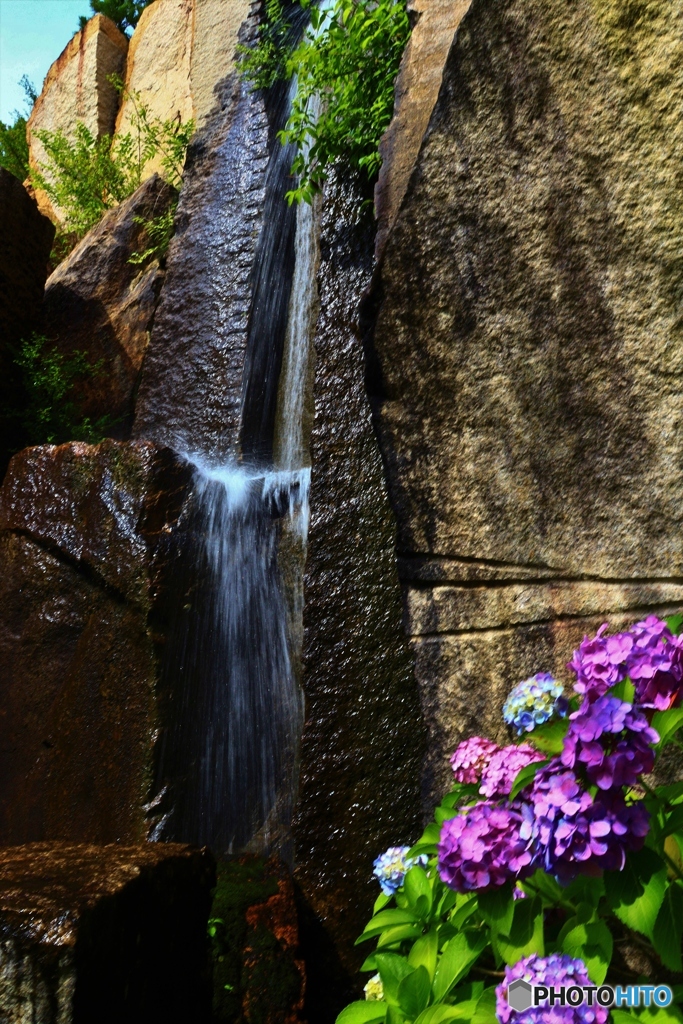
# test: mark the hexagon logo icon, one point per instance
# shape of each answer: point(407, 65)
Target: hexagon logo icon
point(519, 995)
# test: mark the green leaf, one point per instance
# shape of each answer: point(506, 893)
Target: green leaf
point(585, 889)
point(623, 1017)
point(392, 970)
point(550, 736)
point(394, 1015)
point(675, 623)
point(497, 908)
point(590, 941)
point(398, 934)
point(385, 919)
point(364, 1012)
point(427, 842)
point(525, 777)
point(667, 723)
point(418, 891)
point(486, 1008)
point(464, 912)
point(668, 928)
point(442, 1013)
point(672, 794)
point(424, 953)
point(635, 893)
point(380, 903)
point(414, 992)
point(625, 690)
point(457, 958)
point(545, 885)
point(526, 933)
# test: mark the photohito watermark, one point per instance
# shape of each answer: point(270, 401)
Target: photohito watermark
point(522, 995)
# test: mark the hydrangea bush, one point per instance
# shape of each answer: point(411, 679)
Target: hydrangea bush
point(554, 859)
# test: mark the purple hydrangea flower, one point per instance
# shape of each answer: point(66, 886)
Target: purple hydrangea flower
point(392, 866)
point(555, 970)
point(599, 663)
point(578, 832)
point(533, 701)
point(504, 766)
point(612, 740)
point(471, 757)
point(485, 846)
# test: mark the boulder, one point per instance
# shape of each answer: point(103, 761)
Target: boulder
point(85, 538)
point(99, 303)
point(104, 933)
point(363, 737)
point(25, 242)
point(76, 88)
point(180, 51)
point(527, 349)
point(158, 68)
point(435, 23)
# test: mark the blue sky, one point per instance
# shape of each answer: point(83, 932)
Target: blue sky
point(33, 33)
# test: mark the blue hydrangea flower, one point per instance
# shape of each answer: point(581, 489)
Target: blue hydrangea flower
point(533, 701)
point(391, 868)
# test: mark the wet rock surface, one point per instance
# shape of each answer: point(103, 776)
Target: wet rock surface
point(191, 390)
point(25, 242)
point(527, 352)
point(259, 976)
point(104, 933)
point(76, 88)
point(85, 544)
point(363, 737)
point(99, 303)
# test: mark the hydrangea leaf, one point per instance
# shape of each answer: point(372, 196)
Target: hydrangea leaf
point(544, 885)
point(590, 941)
point(635, 893)
point(464, 912)
point(525, 935)
point(673, 822)
point(486, 1008)
point(456, 960)
point(365, 1012)
point(675, 623)
point(414, 992)
point(442, 1013)
point(667, 723)
point(393, 935)
point(497, 908)
point(424, 953)
point(381, 902)
point(427, 842)
point(369, 964)
point(625, 690)
point(525, 777)
point(668, 928)
point(386, 919)
point(418, 892)
point(393, 969)
point(549, 737)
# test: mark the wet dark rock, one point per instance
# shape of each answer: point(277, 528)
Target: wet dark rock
point(98, 303)
point(104, 933)
point(527, 350)
point(25, 242)
point(363, 737)
point(86, 534)
point(259, 976)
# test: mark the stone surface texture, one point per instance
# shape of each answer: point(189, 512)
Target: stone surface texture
point(363, 737)
point(76, 89)
point(158, 68)
point(191, 389)
point(526, 355)
point(85, 533)
point(216, 24)
point(435, 23)
point(99, 303)
point(25, 242)
point(104, 933)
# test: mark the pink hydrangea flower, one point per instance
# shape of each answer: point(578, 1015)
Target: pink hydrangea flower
point(471, 757)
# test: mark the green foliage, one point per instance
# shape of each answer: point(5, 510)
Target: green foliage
point(159, 232)
point(86, 176)
point(125, 13)
point(13, 141)
point(49, 381)
point(345, 65)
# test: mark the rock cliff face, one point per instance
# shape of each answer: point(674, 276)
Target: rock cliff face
point(113, 933)
point(76, 88)
point(84, 539)
point(526, 347)
point(99, 303)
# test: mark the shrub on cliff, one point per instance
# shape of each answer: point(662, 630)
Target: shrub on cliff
point(125, 13)
point(553, 861)
point(13, 142)
point(346, 65)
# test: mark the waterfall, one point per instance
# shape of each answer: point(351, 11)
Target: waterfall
point(228, 763)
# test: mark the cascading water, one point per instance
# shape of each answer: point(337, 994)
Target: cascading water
point(228, 763)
